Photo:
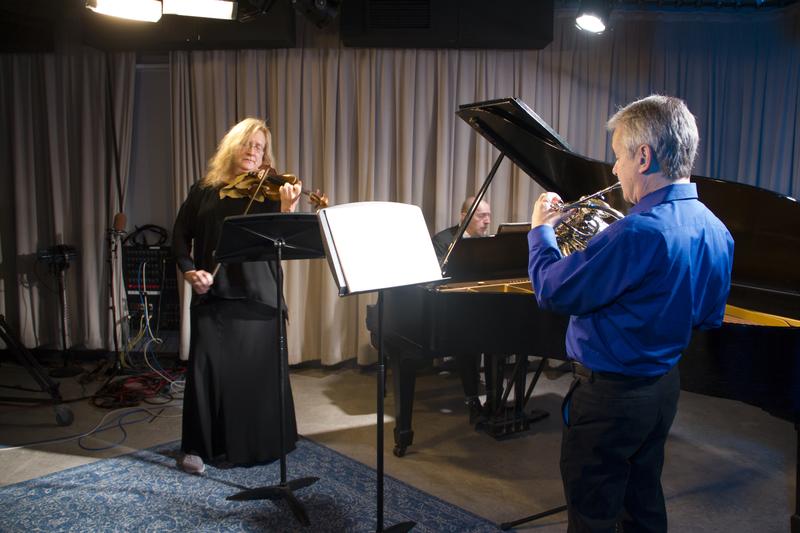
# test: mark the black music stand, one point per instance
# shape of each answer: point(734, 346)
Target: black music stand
point(273, 237)
point(372, 246)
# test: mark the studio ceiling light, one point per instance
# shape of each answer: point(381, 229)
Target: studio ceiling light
point(216, 9)
point(146, 10)
point(593, 16)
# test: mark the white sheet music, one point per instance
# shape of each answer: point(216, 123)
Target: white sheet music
point(377, 245)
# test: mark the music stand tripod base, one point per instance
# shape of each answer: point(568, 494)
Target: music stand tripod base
point(508, 525)
point(284, 491)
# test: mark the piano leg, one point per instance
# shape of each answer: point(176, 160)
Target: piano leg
point(404, 378)
point(494, 366)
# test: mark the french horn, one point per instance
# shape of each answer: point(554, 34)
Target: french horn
point(584, 219)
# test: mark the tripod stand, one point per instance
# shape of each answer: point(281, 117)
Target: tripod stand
point(58, 258)
point(64, 416)
point(278, 237)
point(115, 302)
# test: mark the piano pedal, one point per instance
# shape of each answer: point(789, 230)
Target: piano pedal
point(510, 421)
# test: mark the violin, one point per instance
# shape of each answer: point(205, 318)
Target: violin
point(266, 183)
point(273, 183)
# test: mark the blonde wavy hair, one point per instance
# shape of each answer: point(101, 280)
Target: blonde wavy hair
point(221, 166)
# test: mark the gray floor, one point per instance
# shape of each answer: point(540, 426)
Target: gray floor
point(730, 467)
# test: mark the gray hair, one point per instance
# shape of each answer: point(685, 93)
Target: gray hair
point(665, 124)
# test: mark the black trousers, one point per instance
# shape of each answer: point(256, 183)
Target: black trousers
point(612, 450)
point(469, 370)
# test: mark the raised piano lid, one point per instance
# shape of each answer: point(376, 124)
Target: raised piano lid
point(522, 136)
point(765, 225)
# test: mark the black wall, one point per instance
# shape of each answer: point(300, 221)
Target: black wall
point(36, 25)
point(447, 23)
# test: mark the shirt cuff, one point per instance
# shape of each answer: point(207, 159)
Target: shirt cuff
point(185, 265)
point(542, 236)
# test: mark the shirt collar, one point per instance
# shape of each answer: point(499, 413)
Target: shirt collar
point(677, 191)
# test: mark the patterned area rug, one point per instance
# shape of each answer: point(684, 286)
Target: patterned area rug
point(144, 491)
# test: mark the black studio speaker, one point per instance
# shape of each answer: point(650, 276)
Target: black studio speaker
point(509, 24)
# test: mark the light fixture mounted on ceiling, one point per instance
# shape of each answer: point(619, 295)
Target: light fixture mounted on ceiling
point(593, 15)
point(151, 10)
point(144, 10)
point(215, 9)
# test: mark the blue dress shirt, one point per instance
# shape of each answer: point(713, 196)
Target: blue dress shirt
point(641, 285)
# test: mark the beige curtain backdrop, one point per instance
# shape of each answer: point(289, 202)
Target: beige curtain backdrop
point(366, 124)
point(61, 113)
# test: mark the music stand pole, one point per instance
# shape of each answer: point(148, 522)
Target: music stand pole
point(283, 352)
point(372, 246)
point(401, 527)
point(284, 490)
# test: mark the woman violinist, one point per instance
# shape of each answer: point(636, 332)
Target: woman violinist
point(230, 410)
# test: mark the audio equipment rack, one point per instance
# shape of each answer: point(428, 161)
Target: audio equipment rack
point(151, 283)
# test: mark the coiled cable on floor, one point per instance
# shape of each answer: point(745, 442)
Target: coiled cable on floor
point(133, 390)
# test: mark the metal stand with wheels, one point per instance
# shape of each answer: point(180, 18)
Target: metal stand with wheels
point(64, 416)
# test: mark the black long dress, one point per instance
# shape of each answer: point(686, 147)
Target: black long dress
point(231, 402)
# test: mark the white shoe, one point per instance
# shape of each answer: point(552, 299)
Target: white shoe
point(192, 464)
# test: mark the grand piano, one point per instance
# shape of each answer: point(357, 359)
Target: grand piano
point(754, 357)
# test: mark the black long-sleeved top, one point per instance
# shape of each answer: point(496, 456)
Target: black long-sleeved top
point(200, 220)
point(442, 240)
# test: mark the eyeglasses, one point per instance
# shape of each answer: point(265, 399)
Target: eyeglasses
point(253, 146)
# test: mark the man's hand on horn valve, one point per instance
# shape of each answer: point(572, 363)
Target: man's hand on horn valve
point(546, 210)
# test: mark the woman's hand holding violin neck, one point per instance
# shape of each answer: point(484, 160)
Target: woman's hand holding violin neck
point(290, 194)
point(200, 280)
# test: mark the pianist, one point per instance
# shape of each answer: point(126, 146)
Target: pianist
point(478, 226)
point(468, 365)
point(634, 296)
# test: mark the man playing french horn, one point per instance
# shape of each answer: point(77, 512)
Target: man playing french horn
point(634, 295)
